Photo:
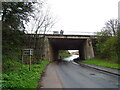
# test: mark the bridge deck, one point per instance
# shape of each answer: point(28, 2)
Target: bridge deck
point(65, 35)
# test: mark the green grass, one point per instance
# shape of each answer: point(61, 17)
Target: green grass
point(103, 63)
point(64, 53)
point(21, 77)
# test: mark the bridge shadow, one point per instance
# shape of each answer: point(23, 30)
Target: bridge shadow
point(61, 62)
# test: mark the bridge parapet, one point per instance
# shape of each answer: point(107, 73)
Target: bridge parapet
point(72, 37)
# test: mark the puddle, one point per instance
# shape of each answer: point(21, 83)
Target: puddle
point(92, 74)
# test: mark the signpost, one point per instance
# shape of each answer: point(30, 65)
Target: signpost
point(27, 52)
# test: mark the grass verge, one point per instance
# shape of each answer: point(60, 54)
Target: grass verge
point(64, 53)
point(103, 63)
point(21, 77)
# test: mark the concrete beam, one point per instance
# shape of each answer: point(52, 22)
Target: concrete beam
point(70, 37)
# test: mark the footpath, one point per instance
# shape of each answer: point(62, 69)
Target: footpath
point(104, 69)
point(50, 78)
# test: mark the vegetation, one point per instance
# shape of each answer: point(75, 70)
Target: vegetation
point(14, 74)
point(13, 16)
point(102, 62)
point(19, 75)
point(108, 42)
point(118, 42)
point(108, 50)
point(64, 53)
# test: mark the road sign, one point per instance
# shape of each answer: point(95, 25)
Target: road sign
point(28, 52)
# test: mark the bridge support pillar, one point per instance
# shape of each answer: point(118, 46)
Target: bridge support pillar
point(86, 50)
point(49, 51)
point(52, 53)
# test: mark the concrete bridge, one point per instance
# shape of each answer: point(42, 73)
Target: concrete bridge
point(54, 43)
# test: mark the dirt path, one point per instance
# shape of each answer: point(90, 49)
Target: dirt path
point(50, 78)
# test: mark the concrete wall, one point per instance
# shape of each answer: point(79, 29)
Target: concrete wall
point(51, 53)
point(86, 50)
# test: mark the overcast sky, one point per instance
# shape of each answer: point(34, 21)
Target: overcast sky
point(82, 15)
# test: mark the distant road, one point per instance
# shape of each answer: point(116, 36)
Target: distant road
point(72, 75)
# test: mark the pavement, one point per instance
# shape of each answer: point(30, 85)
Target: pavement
point(50, 78)
point(104, 69)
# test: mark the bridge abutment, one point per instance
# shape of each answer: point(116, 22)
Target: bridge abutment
point(51, 53)
point(86, 50)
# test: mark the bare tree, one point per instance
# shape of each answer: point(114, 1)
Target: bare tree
point(42, 21)
point(110, 28)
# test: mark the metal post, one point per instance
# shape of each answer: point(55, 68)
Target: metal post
point(22, 59)
point(30, 63)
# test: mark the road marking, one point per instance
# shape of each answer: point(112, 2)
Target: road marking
point(75, 63)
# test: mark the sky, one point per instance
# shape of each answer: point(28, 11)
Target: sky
point(76, 16)
point(79, 16)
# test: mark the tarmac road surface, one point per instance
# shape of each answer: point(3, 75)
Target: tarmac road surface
point(72, 75)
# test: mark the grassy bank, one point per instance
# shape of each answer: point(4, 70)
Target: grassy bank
point(21, 77)
point(103, 63)
point(64, 53)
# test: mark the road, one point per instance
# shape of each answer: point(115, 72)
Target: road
point(72, 75)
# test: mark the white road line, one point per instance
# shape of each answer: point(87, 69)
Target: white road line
point(75, 63)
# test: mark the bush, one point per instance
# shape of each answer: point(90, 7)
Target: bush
point(10, 65)
point(21, 77)
point(107, 49)
point(64, 53)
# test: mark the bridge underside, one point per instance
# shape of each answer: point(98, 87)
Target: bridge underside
point(66, 44)
point(83, 45)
